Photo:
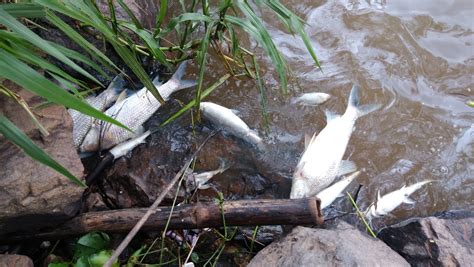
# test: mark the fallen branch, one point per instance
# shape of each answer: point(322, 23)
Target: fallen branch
point(195, 216)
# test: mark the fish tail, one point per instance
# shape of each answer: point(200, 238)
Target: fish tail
point(117, 84)
point(353, 105)
point(178, 77)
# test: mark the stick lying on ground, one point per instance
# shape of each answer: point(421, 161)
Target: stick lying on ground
point(201, 215)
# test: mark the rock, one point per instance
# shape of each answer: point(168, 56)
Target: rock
point(446, 240)
point(343, 246)
point(33, 195)
point(15, 261)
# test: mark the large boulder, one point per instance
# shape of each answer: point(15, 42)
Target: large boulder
point(31, 194)
point(446, 240)
point(342, 246)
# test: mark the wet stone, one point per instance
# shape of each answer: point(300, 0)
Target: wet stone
point(15, 260)
point(444, 240)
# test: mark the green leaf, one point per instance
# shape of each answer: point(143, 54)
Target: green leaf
point(16, 136)
point(132, 62)
point(23, 75)
point(30, 36)
point(91, 243)
point(78, 39)
point(183, 18)
point(136, 22)
point(470, 103)
point(150, 42)
point(27, 10)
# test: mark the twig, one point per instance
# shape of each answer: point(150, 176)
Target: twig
point(361, 216)
point(152, 208)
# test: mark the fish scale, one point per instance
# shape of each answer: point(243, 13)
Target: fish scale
point(81, 122)
point(132, 112)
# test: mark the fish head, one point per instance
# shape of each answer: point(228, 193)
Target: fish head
point(91, 141)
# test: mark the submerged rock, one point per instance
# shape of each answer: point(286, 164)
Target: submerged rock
point(446, 240)
point(342, 246)
point(33, 195)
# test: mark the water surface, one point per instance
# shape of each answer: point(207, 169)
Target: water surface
point(416, 58)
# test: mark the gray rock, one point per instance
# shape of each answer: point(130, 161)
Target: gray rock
point(15, 261)
point(342, 246)
point(444, 241)
point(31, 194)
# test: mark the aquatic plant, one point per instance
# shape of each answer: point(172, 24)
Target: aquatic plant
point(199, 26)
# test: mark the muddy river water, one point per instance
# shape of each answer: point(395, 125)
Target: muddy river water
point(416, 58)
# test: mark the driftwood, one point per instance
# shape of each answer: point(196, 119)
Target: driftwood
point(201, 215)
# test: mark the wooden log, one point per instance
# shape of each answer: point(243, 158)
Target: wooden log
point(201, 215)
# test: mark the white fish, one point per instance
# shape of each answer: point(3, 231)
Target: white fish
point(199, 180)
point(311, 99)
point(132, 112)
point(387, 203)
point(321, 161)
point(81, 122)
point(328, 195)
point(127, 146)
point(226, 119)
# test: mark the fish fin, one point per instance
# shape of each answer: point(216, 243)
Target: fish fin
point(354, 103)
point(204, 187)
point(236, 112)
point(346, 167)
point(118, 83)
point(366, 109)
point(409, 200)
point(122, 96)
point(294, 100)
point(378, 196)
point(307, 140)
point(331, 115)
point(156, 81)
point(178, 77)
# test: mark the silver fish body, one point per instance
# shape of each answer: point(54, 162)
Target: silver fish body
point(132, 112)
point(127, 146)
point(81, 122)
point(311, 99)
point(224, 118)
point(328, 195)
point(387, 203)
point(199, 180)
point(320, 163)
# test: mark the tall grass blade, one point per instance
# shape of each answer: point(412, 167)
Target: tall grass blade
point(78, 39)
point(27, 34)
point(16, 136)
point(23, 75)
point(26, 10)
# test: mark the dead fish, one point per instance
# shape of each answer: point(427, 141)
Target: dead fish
point(387, 203)
point(226, 119)
point(321, 161)
point(311, 99)
point(328, 195)
point(132, 112)
point(81, 122)
point(198, 180)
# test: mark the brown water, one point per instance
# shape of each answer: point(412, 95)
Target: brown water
point(414, 57)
